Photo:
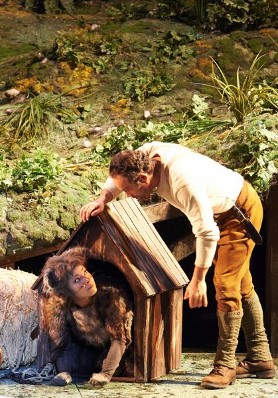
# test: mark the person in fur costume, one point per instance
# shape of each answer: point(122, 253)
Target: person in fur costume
point(84, 328)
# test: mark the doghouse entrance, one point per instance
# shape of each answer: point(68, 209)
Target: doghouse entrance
point(107, 274)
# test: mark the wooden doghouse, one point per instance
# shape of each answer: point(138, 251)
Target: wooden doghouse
point(123, 238)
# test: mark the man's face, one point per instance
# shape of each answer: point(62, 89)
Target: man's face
point(141, 189)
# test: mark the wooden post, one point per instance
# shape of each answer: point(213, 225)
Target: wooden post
point(272, 269)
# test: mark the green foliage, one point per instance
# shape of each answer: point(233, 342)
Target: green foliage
point(253, 151)
point(198, 109)
point(200, 11)
point(33, 172)
point(5, 172)
point(65, 48)
point(244, 98)
point(127, 10)
point(83, 47)
point(141, 85)
point(173, 47)
point(228, 15)
point(127, 137)
point(33, 119)
point(166, 9)
point(118, 139)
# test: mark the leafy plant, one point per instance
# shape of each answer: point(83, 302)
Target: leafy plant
point(198, 109)
point(253, 151)
point(141, 85)
point(173, 46)
point(118, 139)
point(227, 15)
point(127, 10)
point(5, 173)
point(36, 171)
point(171, 9)
point(80, 46)
point(243, 97)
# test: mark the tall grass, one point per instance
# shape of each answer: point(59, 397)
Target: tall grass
point(243, 97)
point(32, 119)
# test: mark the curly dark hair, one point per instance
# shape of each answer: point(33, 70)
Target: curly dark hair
point(58, 269)
point(130, 163)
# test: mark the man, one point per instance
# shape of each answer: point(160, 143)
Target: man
point(213, 198)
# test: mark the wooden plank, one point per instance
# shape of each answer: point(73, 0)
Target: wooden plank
point(157, 351)
point(141, 257)
point(141, 339)
point(166, 344)
point(157, 358)
point(152, 238)
point(122, 379)
point(271, 313)
point(174, 330)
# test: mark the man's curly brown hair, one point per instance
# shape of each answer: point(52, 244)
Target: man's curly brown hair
point(130, 163)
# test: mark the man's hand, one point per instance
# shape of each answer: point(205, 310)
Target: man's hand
point(90, 210)
point(196, 293)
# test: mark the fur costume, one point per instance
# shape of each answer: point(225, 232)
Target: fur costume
point(93, 328)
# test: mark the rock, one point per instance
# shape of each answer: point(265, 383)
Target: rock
point(9, 111)
point(87, 144)
point(147, 114)
point(95, 130)
point(12, 93)
point(94, 26)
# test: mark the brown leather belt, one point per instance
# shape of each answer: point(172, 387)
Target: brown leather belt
point(237, 213)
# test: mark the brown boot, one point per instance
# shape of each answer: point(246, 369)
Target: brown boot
point(258, 361)
point(224, 373)
point(259, 369)
point(219, 377)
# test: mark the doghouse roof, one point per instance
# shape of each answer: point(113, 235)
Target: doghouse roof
point(123, 235)
point(149, 252)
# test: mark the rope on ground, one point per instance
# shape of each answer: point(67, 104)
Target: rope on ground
point(32, 376)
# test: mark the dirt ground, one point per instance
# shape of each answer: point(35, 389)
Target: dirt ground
point(181, 383)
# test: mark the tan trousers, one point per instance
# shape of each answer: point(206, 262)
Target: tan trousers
point(232, 277)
